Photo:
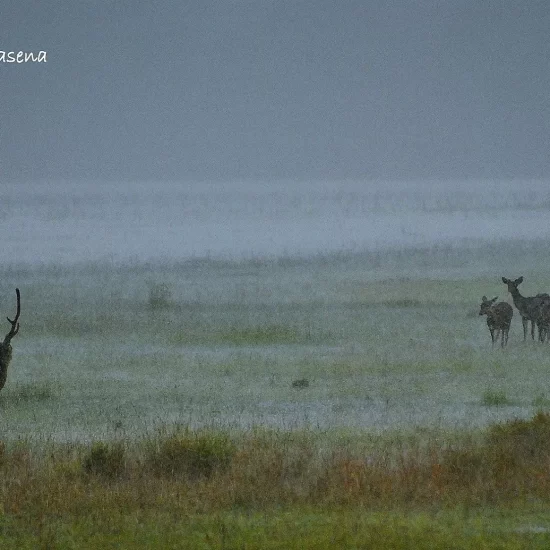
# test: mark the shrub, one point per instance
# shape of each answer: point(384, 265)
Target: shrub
point(522, 442)
point(160, 296)
point(105, 460)
point(193, 455)
point(512, 460)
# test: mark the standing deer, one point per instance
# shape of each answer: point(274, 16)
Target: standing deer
point(529, 307)
point(543, 322)
point(499, 318)
point(5, 346)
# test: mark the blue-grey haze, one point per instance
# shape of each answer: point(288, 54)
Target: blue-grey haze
point(72, 223)
point(271, 89)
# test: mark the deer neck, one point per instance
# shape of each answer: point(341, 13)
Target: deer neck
point(5, 358)
point(521, 302)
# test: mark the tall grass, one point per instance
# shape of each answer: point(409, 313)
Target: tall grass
point(103, 486)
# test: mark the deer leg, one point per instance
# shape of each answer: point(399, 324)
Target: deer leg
point(492, 336)
point(533, 330)
point(525, 323)
point(505, 337)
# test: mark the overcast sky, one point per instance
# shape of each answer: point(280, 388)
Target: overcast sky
point(276, 89)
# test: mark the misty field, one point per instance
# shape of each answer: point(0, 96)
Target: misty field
point(376, 366)
point(386, 342)
point(337, 398)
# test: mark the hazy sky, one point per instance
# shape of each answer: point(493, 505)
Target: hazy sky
point(231, 89)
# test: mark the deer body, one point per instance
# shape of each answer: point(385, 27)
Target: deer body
point(5, 346)
point(543, 322)
point(529, 307)
point(5, 358)
point(499, 318)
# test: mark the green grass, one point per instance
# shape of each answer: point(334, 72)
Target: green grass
point(282, 529)
point(267, 489)
point(491, 398)
point(386, 447)
point(29, 392)
point(390, 353)
point(334, 401)
point(541, 401)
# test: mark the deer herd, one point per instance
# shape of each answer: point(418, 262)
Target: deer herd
point(499, 318)
point(531, 308)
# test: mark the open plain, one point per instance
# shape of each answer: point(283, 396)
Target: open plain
point(304, 395)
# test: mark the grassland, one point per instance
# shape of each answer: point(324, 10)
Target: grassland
point(388, 342)
point(273, 489)
point(154, 404)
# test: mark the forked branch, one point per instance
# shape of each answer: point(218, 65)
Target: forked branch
point(15, 323)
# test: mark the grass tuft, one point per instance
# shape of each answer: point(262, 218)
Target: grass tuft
point(301, 383)
point(31, 392)
point(107, 460)
point(522, 442)
point(541, 401)
point(160, 296)
point(195, 455)
point(492, 398)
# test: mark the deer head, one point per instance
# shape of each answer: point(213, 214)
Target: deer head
point(486, 305)
point(512, 285)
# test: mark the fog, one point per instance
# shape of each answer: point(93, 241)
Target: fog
point(72, 223)
point(204, 90)
point(388, 161)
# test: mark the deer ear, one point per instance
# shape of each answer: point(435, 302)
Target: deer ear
point(519, 280)
point(505, 280)
point(494, 299)
point(484, 298)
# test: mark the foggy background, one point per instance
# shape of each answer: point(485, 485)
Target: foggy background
point(275, 89)
point(203, 202)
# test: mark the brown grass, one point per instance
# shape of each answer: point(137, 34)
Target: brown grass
point(190, 473)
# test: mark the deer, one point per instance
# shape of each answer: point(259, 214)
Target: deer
point(543, 322)
point(529, 307)
point(5, 346)
point(499, 318)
